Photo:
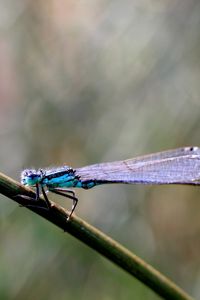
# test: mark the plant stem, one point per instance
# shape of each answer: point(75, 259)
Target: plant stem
point(96, 240)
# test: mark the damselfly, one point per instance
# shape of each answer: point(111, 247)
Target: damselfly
point(178, 166)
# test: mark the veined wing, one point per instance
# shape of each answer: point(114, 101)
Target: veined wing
point(179, 166)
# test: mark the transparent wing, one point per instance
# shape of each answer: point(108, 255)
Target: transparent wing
point(180, 165)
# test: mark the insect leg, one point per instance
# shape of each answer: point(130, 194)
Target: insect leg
point(65, 193)
point(32, 201)
point(48, 203)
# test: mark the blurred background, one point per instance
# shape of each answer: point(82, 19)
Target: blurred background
point(88, 81)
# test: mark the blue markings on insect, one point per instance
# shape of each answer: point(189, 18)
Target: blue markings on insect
point(178, 166)
point(61, 181)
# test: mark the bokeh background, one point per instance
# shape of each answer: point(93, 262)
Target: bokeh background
point(92, 81)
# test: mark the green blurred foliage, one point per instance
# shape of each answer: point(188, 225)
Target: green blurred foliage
point(92, 81)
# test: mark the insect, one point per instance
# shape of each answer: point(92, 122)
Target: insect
point(178, 166)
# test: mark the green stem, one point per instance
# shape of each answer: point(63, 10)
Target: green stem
point(96, 240)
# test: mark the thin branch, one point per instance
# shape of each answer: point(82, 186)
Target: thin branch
point(96, 240)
